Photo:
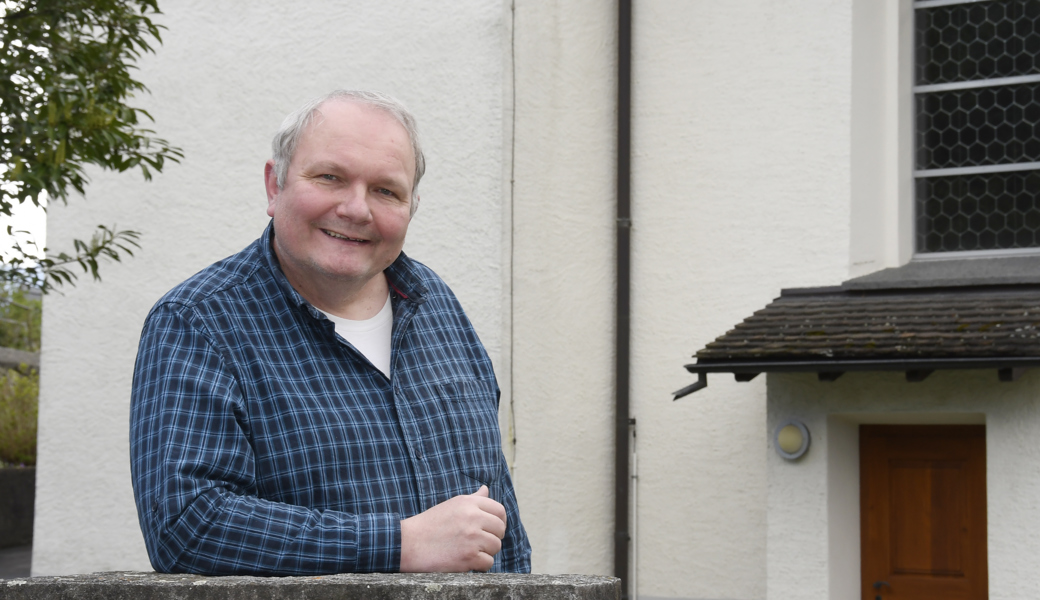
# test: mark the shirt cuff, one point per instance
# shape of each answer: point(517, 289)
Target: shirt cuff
point(379, 543)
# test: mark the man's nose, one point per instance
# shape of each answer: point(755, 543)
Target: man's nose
point(352, 203)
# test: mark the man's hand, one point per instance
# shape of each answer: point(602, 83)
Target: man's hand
point(460, 534)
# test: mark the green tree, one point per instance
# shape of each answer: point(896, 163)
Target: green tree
point(19, 390)
point(19, 387)
point(65, 80)
point(20, 319)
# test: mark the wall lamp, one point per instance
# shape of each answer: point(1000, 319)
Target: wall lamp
point(791, 439)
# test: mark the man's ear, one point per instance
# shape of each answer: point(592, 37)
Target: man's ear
point(271, 184)
point(416, 208)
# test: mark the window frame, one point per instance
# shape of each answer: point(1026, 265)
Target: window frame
point(917, 173)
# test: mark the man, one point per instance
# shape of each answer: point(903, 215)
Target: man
point(319, 402)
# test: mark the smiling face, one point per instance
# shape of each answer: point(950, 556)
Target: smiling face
point(341, 216)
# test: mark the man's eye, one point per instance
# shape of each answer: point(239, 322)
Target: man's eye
point(385, 192)
point(328, 177)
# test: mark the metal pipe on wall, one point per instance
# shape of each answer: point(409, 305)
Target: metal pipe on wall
point(622, 304)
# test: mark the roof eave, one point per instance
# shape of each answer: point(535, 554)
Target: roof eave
point(828, 369)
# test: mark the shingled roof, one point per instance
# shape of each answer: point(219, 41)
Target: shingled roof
point(981, 313)
point(835, 323)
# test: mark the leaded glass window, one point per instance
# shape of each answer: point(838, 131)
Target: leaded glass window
point(977, 102)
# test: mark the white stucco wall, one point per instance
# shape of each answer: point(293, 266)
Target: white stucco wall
point(813, 537)
point(882, 135)
point(221, 84)
point(563, 217)
point(748, 155)
point(741, 187)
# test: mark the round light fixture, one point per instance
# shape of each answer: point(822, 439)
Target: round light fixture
point(791, 439)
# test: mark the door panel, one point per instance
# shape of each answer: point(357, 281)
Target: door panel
point(923, 512)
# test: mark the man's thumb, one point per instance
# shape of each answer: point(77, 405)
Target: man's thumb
point(483, 491)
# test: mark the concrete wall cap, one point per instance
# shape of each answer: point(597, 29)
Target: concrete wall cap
point(368, 586)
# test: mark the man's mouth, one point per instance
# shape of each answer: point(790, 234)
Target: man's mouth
point(339, 236)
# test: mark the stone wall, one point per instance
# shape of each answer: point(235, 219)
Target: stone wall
point(156, 586)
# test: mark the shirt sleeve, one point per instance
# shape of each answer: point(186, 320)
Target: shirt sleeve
point(193, 468)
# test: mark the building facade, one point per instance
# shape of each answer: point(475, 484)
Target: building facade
point(773, 147)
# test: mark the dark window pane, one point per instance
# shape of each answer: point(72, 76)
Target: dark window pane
point(978, 212)
point(977, 41)
point(977, 127)
point(1005, 121)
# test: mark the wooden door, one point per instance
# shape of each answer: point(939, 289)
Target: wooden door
point(923, 512)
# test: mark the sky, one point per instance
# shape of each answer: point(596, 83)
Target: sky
point(27, 216)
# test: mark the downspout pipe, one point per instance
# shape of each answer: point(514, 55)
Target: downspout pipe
point(622, 306)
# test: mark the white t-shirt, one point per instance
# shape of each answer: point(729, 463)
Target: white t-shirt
point(371, 337)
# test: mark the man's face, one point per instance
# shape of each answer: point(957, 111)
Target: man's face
point(342, 213)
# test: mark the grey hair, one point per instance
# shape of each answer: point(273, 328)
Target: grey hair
point(283, 146)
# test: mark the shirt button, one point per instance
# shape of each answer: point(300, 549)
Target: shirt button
point(417, 453)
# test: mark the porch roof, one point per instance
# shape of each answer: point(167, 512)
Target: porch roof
point(924, 316)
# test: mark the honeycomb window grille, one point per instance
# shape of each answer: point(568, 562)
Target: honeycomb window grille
point(977, 108)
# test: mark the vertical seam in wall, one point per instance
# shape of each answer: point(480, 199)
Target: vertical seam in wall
point(512, 230)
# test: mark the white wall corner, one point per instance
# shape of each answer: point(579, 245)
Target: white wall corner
point(881, 233)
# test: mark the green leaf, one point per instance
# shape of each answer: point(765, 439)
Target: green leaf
point(66, 80)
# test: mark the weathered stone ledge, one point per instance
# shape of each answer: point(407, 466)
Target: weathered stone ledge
point(465, 586)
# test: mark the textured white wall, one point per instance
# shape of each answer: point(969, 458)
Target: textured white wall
point(810, 532)
point(221, 84)
point(882, 135)
point(743, 170)
point(742, 187)
point(563, 281)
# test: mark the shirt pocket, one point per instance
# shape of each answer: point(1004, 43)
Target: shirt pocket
point(472, 411)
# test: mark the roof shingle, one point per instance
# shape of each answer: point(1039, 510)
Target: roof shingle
point(835, 323)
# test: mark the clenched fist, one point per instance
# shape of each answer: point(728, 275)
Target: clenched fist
point(458, 535)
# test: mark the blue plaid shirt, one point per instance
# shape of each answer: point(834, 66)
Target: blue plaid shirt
point(261, 442)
